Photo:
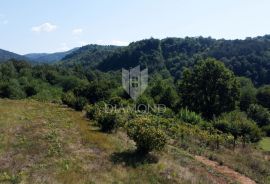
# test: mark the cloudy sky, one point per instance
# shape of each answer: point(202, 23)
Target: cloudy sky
point(28, 26)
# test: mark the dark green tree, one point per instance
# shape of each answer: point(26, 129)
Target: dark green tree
point(210, 88)
point(259, 114)
point(263, 96)
point(247, 93)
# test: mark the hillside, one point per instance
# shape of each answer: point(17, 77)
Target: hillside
point(249, 57)
point(6, 55)
point(47, 143)
point(48, 58)
point(90, 55)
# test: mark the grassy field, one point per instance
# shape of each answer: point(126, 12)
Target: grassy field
point(265, 144)
point(48, 143)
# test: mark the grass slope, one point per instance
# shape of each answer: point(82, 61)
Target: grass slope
point(265, 144)
point(48, 143)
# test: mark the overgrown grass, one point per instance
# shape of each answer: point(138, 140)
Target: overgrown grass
point(265, 144)
point(48, 143)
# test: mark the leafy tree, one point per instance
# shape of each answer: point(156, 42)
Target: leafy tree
point(169, 98)
point(247, 93)
point(263, 96)
point(210, 88)
point(12, 89)
point(237, 124)
point(259, 114)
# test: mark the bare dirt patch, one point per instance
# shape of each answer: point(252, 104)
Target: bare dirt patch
point(225, 170)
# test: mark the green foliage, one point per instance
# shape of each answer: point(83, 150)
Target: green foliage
point(79, 103)
point(94, 112)
point(12, 89)
point(146, 135)
point(169, 98)
point(237, 124)
point(108, 122)
point(144, 101)
point(266, 130)
point(263, 96)
point(189, 117)
point(247, 93)
point(210, 88)
point(69, 99)
point(259, 114)
point(91, 112)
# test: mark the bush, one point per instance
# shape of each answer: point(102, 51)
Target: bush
point(146, 135)
point(266, 129)
point(259, 114)
point(189, 117)
point(79, 103)
point(108, 122)
point(263, 96)
point(116, 102)
point(68, 99)
point(237, 124)
point(93, 112)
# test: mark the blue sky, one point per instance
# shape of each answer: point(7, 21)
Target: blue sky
point(28, 26)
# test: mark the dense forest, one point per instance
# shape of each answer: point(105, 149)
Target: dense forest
point(216, 92)
point(248, 58)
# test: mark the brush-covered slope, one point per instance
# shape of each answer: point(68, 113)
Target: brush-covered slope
point(48, 143)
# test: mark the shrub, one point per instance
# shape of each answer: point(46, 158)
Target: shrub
point(259, 114)
point(79, 103)
point(146, 135)
point(93, 112)
point(108, 122)
point(266, 129)
point(189, 117)
point(68, 99)
point(116, 101)
point(237, 124)
point(30, 90)
point(263, 96)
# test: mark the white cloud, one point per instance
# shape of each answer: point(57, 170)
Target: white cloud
point(77, 31)
point(112, 42)
point(46, 27)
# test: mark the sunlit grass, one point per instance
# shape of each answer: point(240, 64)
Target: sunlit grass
point(49, 143)
point(265, 144)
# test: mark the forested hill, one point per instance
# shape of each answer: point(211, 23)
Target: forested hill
point(249, 57)
point(89, 55)
point(6, 55)
point(48, 58)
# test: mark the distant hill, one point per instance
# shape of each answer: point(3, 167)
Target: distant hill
point(89, 55)
point(48, 58)
point(6, 55)
point(249, 57)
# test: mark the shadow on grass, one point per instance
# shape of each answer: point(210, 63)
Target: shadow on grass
point(132, 158)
